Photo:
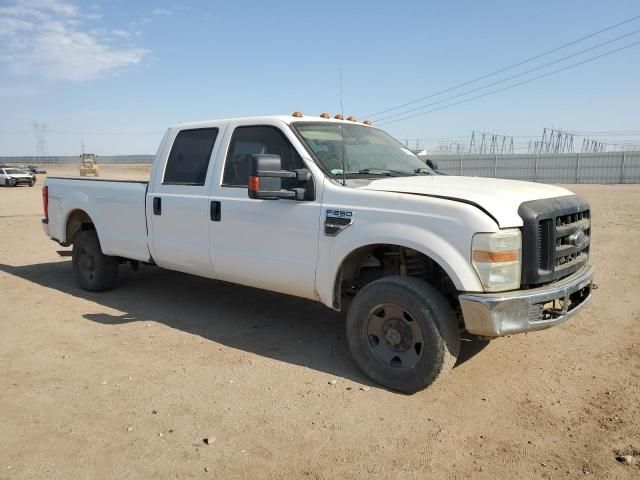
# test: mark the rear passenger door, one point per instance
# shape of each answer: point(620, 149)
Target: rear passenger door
point(270, 244)
point(179, 205)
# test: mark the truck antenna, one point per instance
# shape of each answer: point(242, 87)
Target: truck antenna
point(344, 164)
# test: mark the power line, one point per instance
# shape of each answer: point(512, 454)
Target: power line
point(590, 59)
point(535, 57)
point(511, 77)
point(622, 133)
point(579, 133)
point(60, 132)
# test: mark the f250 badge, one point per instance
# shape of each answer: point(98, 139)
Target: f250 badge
point(336, 221)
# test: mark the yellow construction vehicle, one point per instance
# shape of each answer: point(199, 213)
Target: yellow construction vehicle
point(89, 166)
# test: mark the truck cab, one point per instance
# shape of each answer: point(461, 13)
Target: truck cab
point(339, 212)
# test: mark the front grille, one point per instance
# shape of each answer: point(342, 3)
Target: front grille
point(567, 226)
point(556, 238)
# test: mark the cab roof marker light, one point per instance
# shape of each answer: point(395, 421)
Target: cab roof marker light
point(297, 114)
point(367, 122)
point(352, 119)
point(338, 117)
point(324, 115)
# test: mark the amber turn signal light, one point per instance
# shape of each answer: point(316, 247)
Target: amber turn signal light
point(482, 256)
point(254, 183)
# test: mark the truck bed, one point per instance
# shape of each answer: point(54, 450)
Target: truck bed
point(116, 207)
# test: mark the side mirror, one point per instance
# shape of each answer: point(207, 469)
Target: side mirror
point(265, 180)
point(432, 164)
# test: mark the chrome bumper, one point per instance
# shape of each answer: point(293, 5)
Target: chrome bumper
point(498, 314)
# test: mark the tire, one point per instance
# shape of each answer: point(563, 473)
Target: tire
point(403, 333)
point(94, 270)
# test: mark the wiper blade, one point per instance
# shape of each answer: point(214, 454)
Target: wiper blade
point(385, 172)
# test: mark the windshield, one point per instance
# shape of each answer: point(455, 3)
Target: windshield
point(367, 151)
point(13, 171)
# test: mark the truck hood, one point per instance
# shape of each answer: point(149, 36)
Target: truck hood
point(498, 197)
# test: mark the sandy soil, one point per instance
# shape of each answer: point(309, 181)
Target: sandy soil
point(128, 383)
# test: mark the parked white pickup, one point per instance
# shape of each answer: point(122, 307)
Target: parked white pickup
point(341, 213)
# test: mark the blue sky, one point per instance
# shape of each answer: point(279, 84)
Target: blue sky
point(116, 74)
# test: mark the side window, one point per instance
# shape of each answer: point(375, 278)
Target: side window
point(189, 157)
point(247, 141)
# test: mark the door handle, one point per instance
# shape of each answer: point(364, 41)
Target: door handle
point(157, 205)
point(215, 211)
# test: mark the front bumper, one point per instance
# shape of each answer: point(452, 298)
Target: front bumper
point(22, 180)
point(499, 314)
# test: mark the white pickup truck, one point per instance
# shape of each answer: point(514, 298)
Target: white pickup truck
point(339, 212)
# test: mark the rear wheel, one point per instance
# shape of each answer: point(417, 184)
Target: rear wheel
point(403, 333)
point(94, 270)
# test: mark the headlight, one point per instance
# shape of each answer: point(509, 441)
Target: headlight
point(497, 258)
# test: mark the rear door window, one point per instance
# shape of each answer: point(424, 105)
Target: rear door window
point(189, 158)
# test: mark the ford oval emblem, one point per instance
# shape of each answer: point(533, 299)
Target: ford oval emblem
point(578, 238)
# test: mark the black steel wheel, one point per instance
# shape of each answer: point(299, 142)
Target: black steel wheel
point(94, 270)
point(395, 338)
point(403, 333)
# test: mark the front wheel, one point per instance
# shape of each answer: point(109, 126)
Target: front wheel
point(403, 333)
point(94, 270)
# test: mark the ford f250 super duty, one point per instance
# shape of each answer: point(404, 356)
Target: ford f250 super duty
point(339, 212)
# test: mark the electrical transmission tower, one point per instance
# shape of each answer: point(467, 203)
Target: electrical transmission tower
point(592, 146)
point(490, 143)
point(626, 147)
point(453, 148)
point(40, 131)
point(554, 141)
point(449, 148)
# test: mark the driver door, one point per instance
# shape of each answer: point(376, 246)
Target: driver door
point(270, 244)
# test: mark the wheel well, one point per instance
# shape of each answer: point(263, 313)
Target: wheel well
point(78, 221)
point(367, 264)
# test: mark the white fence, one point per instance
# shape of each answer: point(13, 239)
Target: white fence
point(613, 167)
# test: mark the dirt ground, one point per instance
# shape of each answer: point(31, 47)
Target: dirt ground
point(128, 383)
